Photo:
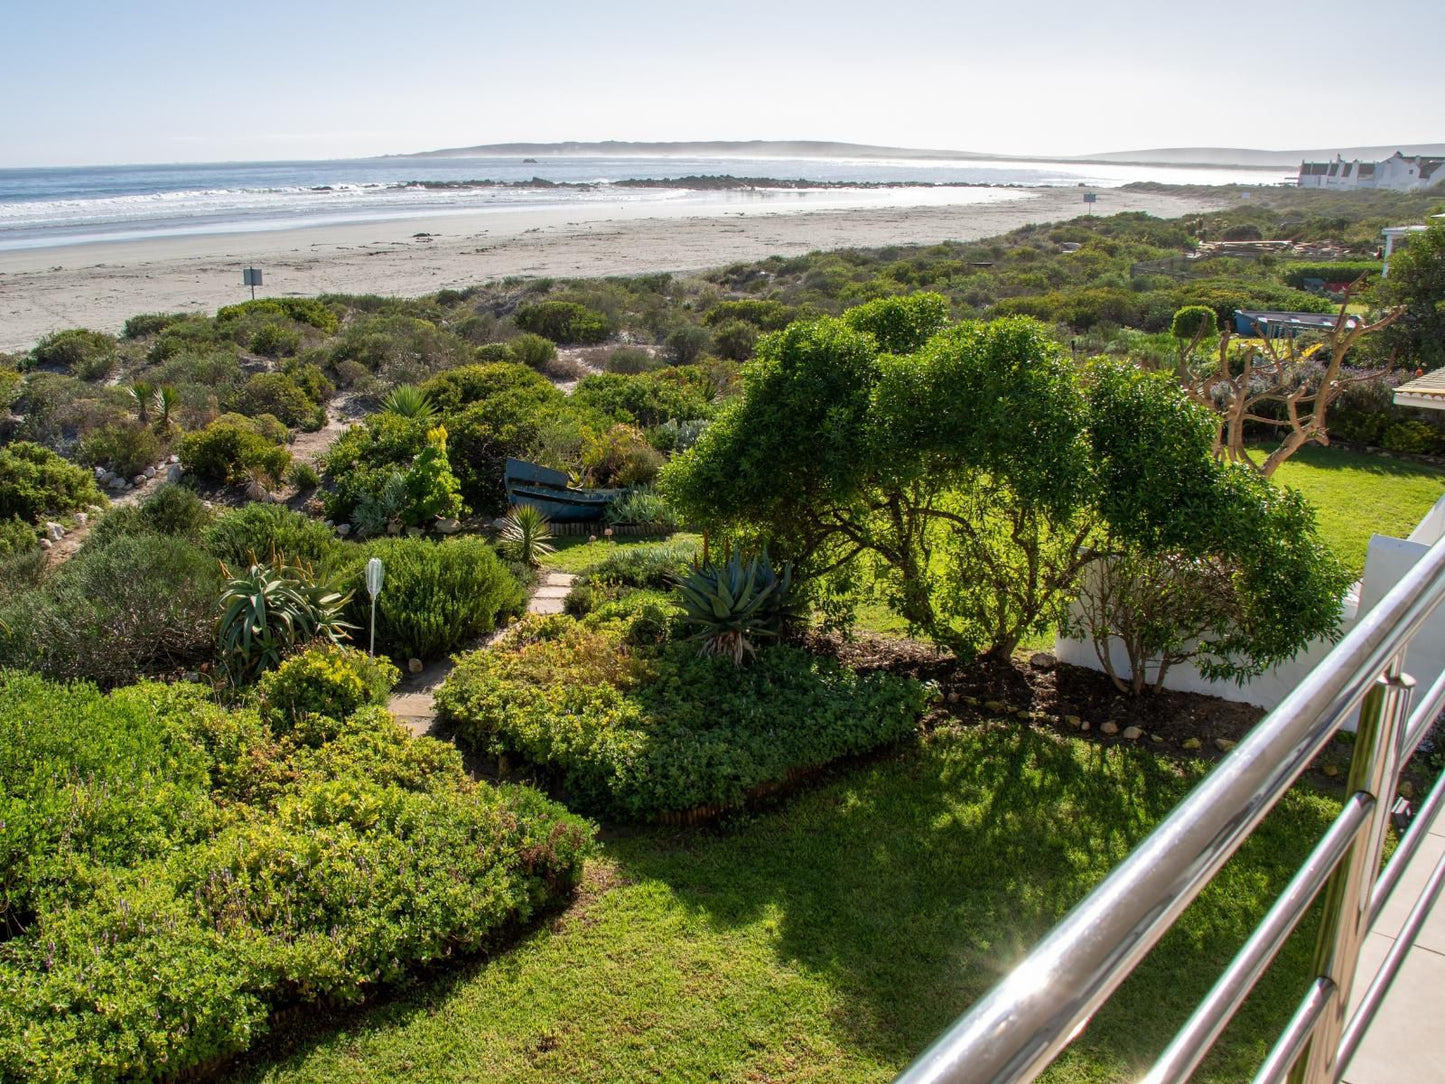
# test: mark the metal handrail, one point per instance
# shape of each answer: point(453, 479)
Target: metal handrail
point(1020, 1026)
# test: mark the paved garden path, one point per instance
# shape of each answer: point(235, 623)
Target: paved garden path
point(412, 701)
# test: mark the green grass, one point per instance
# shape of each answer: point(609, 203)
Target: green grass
point(578, 555)
point(831, 938)
point(1357, 495)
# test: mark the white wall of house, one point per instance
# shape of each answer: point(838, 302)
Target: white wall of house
point(1386, 562)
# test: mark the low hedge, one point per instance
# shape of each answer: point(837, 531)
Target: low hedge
point(34, 481)
point(174, 873)
point(634, 733)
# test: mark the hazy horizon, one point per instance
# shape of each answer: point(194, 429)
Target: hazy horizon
point(160, 81)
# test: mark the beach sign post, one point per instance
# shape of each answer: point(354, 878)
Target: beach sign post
point(251, 276)
point(1090, 198)
point(374, 573)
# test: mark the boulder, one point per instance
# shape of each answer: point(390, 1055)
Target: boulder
point(149, 472)
point(1043, 660)
point(101, 472)
point(174, 473)
point(139, 480)
point(449, 526)
point(1074, 721)
point(994, 706)
point(115, 483)
point(343, 529)
point(1192, 743)
point(54, 531)
point(1132, 733)
point(414, 666)
point(1109, 728)
point(173, 459)
point(1224, 745)
point(82, 518)
point(46, 544)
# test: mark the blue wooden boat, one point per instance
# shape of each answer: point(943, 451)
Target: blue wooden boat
point(548, 490)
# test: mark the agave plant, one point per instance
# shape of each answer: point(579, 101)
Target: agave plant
point(526, 536)
point(734, 604)
point(272, 608)
point(376, 512)
point(409, 401)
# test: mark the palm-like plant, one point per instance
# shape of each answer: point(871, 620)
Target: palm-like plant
point(527, 534)
point(409, 401)
point(732, 604)
point(272, 608)
point(142, 393)
point(164, 401)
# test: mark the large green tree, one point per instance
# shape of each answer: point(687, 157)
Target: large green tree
point(1417, 282)
point(977, 470)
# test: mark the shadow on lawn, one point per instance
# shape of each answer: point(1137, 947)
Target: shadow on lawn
point(912, 885)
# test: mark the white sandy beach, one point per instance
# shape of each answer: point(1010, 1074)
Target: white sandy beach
point(100, 285)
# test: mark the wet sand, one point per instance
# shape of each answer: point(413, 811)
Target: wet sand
point(100, 285)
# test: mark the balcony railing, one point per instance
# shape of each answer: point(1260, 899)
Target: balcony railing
point(1029, 1017)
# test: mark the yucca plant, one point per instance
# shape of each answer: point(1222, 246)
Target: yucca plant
point(733, 604)
point(142, 394)
point(164, 402)
point(272, 608)
point(526, 536)
point(409, 401)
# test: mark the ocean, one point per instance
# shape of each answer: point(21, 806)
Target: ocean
point(41, 208)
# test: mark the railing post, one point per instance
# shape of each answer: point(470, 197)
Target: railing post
point(1373, 769)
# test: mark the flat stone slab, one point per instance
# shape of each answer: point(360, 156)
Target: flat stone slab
point(552, 592)
point(545, 606)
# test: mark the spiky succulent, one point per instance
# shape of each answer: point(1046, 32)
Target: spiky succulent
point(526, 536)
point(733, 604)
point(409, 401)
point(271, 608)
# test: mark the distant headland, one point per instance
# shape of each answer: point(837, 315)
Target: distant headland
point(810, 148)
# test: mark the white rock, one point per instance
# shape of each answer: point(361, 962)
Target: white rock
point(115, 483)
point(101, 472)
point(173, 459)
point(1132, 733)
point(1043, 660)
point(55, 531)
point(138, 480)
point(175, 472)
point(449, 526)
point(414, 665)
point(81, 519)
point(149, 472)
point(343, 529)
point(45, 543)
point(1109, 728)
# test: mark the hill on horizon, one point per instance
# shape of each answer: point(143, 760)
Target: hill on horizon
point(810, 148)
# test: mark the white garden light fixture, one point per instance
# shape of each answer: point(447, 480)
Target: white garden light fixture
point(374, 573)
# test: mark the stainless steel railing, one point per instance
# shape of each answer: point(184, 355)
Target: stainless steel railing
point(1029, 1017)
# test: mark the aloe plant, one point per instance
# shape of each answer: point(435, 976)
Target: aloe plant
point(732, 605)
point(142, 394)
point(272, 608)
point(164, 402)
point(526, 536)
point(409, 401)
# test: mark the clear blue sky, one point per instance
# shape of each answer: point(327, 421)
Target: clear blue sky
point(144, 81)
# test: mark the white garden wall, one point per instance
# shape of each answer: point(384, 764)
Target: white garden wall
point(1387, 560)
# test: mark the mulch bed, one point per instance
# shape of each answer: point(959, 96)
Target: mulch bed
point(1080, 702)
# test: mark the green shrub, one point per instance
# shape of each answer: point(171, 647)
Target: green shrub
point(126, 605)
point(1333, 272)
point(687, 343)
point(629, 359)
point(126, 448)
point(231, 446)
point(303, 476)
point(34, 481)
point(144, 825)
point(764, 315)
point(304, 310)
point(328, 680)
point(562, 322)
point(146, 324)
point(278, 395)
point(632, 734)
point(1411, 438)
point(647, 399)
point(275, 341)
point(532, 350)
point(1192, 320)
point(643, 507)
point(436, 595)
point(17, 537)
point(620, 457)
point(733, 340)
point(651, 566)
point(257, 532)
point(89, 355)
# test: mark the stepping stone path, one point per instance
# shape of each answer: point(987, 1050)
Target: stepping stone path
point(412, 702)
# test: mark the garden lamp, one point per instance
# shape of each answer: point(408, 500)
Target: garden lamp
point(374, 571)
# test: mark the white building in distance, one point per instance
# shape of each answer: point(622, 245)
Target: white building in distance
point(1397, 173)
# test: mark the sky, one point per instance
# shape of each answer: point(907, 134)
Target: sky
point(100, 82)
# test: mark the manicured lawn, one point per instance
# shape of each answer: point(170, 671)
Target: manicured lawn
point(832, 937)
point(1357, 495)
